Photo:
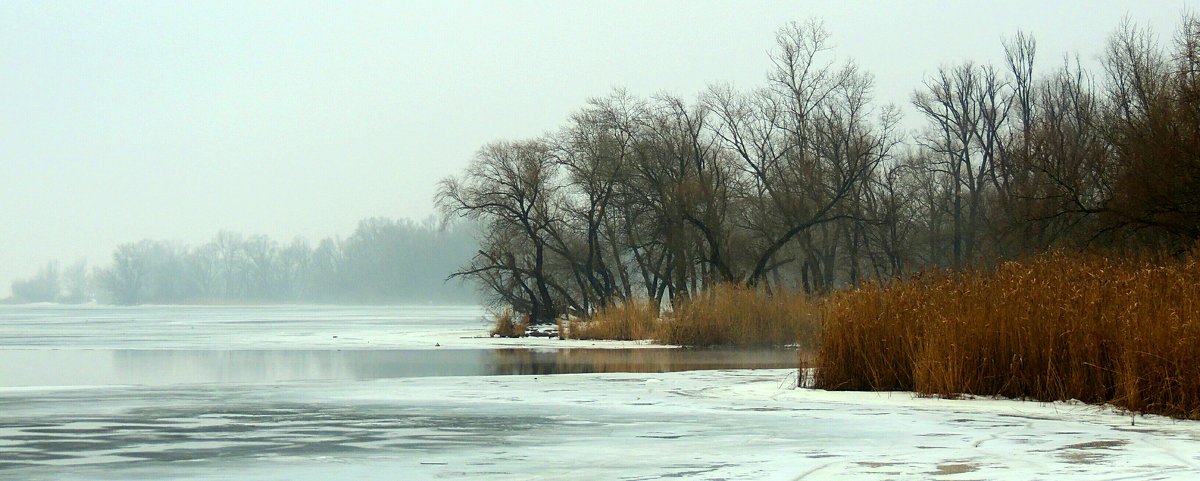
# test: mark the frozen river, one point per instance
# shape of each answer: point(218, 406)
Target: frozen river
point(322, 393)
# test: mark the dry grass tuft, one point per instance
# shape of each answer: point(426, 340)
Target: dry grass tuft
point(724, 315)
point(1057, 327)
point(507, 326)
point(628, 321)
point(729, 315)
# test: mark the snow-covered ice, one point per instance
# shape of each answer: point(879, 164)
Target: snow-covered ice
point(695, 425)
point(726, 424)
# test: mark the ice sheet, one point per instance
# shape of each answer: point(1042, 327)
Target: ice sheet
point(692, 425)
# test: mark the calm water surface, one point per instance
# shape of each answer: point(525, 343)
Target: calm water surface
point(95, 367)
point(164, 345)
point(167, 392)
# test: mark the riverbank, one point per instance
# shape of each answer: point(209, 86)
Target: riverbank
point(1103, 329)
point(308, 393)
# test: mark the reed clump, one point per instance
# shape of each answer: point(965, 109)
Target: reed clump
point(1060, 326)
point(507, 325)
point(734, 315)
point(722, 315)
point(633, 320)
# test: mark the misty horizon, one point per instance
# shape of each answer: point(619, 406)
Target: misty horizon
point(150, 121)
point(382, 262)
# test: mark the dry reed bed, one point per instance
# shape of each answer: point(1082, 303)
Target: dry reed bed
point(633, 320)
point(1057, 327)
point(506, 324)
point(724, 315)
point(731, 315)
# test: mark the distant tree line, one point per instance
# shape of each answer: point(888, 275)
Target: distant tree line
point(53, 284)
point(806, 182)
point(383, 261)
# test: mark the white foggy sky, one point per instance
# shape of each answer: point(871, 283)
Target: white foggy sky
point(172, 120)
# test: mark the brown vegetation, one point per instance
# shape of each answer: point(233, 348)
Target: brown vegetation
point(1058, 327)
point(507, 326)
point(733, 315)
point(723, 315)
point(633, 320)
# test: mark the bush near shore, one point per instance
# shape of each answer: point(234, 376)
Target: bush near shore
point(1060, 326)
point(730, 315)
point(506, 324)
point(633, 320)
point(724, 315)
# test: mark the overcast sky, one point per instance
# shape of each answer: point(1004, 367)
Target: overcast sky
point(172, 120)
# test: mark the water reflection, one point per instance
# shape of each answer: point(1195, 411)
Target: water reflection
point(160, 367)
point(580, 361)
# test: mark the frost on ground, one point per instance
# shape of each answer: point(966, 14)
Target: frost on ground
point(692, 425)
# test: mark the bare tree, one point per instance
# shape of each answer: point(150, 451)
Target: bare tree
point(804, 144)
point(509, 187)
point(967, 107)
